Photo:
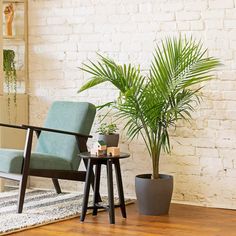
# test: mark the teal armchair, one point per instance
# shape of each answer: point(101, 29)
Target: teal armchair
point(63, 136)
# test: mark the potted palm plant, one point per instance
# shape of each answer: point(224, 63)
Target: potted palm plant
point(150, 104)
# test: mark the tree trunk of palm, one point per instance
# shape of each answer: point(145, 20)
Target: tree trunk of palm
point(155, 163)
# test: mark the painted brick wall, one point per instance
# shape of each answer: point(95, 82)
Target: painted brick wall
point(65, 33)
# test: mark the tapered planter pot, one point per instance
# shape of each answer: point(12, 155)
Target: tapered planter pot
point(111, 140)
point(154, 195)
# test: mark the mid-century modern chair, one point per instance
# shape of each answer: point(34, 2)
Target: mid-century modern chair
point(64, 134)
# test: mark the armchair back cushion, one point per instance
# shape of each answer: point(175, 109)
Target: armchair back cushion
point(69, 116)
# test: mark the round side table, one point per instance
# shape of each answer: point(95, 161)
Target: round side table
point(108, 161)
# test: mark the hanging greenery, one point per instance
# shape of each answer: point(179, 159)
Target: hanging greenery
point(10, 75)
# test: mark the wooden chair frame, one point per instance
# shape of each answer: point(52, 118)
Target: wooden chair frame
point(53, 174)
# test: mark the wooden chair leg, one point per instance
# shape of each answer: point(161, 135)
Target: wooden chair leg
point(56, 185)
point(21, 195)
point(25, 169)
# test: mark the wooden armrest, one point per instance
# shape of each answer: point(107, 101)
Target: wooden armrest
point(13, 126)
point(55, 131)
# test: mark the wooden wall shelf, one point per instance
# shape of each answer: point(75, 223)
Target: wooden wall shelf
point(13, 1)
point(19, 43)
point(13, 38)
point(15, 41)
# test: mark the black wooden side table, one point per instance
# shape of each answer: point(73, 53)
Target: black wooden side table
point(96, 161)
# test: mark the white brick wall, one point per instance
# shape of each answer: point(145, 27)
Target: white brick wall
point(65, 33)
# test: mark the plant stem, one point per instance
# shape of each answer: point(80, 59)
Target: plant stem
point(144, 126)
point(156, 151)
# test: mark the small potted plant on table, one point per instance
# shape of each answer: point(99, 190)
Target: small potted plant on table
point(107, 127)
point(107, 133)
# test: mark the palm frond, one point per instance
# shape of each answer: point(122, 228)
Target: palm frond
point(93, 82)
point(150, 104)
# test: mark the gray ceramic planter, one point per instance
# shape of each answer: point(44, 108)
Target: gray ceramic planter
point(111, 140)
point(154, 195)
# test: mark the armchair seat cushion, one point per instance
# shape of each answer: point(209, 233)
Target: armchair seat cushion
point(11, 161)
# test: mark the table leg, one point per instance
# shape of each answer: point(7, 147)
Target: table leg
point(110, 192)
point(96, 187)
point(120, 188)
point(86, 190)
point(92, 178)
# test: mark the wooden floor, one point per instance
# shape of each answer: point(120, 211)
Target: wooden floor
point(183, 220)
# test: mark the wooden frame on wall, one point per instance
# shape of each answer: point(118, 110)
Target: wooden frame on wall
point(1, 50)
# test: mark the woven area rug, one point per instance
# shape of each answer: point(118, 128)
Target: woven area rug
point(41, 207)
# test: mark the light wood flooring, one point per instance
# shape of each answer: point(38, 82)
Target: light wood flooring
point(183, 220)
